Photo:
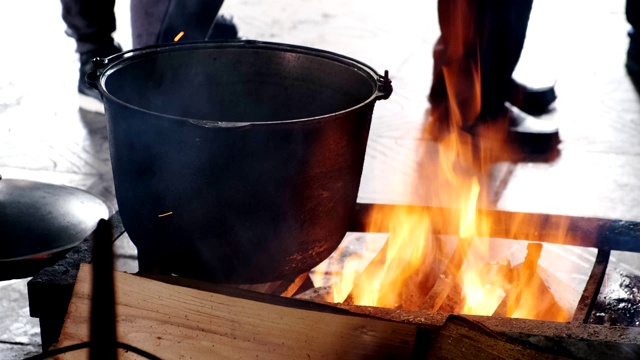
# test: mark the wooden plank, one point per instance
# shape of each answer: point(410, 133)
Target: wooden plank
point(580, 341)
point(177, 322)
point(284, 288)
point(461, 338)
point(51, 289)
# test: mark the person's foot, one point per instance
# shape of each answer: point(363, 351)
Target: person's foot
point(532, 135)
point(89, 98)
point(533, 101)
point(523, 134)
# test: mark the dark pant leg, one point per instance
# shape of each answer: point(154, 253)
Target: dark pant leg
point(90, 23)
point(633, 13)
point(147, 17)
point(194, 17)
point(498, 29)
point(633, 17)
point(159, 21)
point(453, 98)
point(502, 28)
point(633, 52)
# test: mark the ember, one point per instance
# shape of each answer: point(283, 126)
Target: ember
point(179, 36)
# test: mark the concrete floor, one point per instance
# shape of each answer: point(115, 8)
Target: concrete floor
point(44, 137)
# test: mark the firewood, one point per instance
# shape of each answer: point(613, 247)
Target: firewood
point(286, 287)
point(173, 322)
point(461, 338)
point(440, 291)
point(416, 286)
point(553, 296)
point(317, 294)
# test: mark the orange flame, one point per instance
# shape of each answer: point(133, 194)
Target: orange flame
point(411, 264)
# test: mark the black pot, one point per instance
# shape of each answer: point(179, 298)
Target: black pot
point(236, 161)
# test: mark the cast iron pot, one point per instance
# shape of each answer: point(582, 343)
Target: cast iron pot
point(236, 162)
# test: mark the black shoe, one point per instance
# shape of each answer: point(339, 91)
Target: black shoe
point(517, 134)
point(532, 135)
point(533, 101)
point(89, 98)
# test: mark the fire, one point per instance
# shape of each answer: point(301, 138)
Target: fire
point(408, 247)
point(415, 263)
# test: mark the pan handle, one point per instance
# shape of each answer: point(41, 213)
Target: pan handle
point(384, 87)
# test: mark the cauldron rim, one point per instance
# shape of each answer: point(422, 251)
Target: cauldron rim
point(381, 88)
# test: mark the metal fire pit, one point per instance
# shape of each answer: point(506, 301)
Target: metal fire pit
point(576, 338)
point(50, 291)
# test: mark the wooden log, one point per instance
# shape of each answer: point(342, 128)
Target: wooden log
point(322, 294)
point(461, 338)
point(579, 341)
point(553, 296)
point(178, 322)
point(413, 288)
point(285, 288)
point(440, 291)
point(526, 278)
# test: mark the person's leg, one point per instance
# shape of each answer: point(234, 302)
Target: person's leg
point(160, 21)
point(633, 13)
point(147, 17)
point(502, 28)
point(485, 36)
point(193, 17)
point(482, 37)
point(633, 53)
point(90, 23)
point(454, 90)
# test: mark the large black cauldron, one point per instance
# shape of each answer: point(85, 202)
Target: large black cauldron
point(236, 162)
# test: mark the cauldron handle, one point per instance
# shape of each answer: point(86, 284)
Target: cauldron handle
point(384, 87)
point(99, 63)
point(92, 76)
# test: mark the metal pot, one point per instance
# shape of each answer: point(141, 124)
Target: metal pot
point(236, 161)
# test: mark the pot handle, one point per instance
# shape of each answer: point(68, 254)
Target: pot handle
point(384, 87)
point(93, 76)
point(99, 64)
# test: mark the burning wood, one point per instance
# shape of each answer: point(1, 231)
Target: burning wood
point(526, 277)
point(446, 281)
point(525, 291)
